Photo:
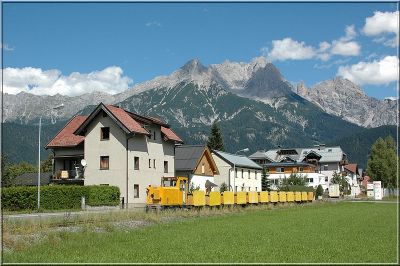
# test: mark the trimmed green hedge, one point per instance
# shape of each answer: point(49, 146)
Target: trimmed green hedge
point(58, 197)
point(103, 196)
point(298, 188)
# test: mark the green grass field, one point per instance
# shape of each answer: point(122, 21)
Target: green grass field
point(333, 232)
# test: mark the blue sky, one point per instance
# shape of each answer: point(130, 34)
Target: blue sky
point(147, 40)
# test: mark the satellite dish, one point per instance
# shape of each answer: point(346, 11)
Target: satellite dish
point(83, 162)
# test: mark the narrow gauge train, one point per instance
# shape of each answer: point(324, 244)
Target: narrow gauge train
point(173, 193)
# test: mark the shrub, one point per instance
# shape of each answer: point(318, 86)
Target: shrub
point(103, 195)
point(319, 191)
point(58, 197)
point(223, 187)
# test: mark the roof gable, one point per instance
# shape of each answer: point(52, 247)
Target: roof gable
point(170, 135)
point(238, 160)
point(119, 115)
point(66, 137)
point(188, 157)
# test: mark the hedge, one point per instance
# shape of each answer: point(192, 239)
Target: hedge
point(297, 188)
point(56, 197)
point(103, 196)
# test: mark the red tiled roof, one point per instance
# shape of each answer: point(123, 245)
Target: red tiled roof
point(66, 137)
point(126, 119)
point(170, 135)
point(352, 167)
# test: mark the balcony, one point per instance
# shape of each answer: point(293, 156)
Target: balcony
point(72, 177)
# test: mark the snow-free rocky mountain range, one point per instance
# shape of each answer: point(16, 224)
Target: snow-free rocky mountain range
point(255, 106)
point(258, 80)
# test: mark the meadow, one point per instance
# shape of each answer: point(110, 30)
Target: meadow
point(343, 232)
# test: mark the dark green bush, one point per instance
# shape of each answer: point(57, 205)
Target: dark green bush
point(319, 191)
point(58, 197)
point(103, 196)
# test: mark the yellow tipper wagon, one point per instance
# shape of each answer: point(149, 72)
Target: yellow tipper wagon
point(263, 197)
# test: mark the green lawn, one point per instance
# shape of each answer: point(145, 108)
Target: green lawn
point(336, 232)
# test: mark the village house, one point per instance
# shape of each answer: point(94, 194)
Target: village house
point(351, 173)
point(318, 164)
point(119, 148)
point(238, 172)
point(197, 164)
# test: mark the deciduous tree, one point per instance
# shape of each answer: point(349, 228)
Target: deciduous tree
point(382, 162)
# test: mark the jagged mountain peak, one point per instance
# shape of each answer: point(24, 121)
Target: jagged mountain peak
point(343, 98)
point(194, 66)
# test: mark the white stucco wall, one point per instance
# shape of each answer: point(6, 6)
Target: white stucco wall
point(138, 146)
point(226, 174)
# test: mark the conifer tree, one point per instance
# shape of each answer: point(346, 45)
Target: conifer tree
point(215, 140)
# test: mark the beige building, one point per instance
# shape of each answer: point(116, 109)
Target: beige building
point(123, 149)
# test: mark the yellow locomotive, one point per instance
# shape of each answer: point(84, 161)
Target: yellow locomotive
point(173, 192)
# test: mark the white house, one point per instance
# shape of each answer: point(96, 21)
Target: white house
point(238, 172)
point(120, 148)
point(319, 163)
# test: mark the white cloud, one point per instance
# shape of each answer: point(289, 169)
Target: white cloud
point(345, 45)
point(5, 47)
point(153, 24)
point(383, 24)
point(345, 48)
point(50, 82)
point(377, 72)
point(289, 49)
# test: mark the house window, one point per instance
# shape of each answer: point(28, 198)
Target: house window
point(136, 191)
point(165, 166)
point(242, 188)
point(248, 172)
point(326, 179)
point(104, 114)
point(149, 163)
point(256, 189)
point(203, 169)
point(255, 174)
point(249, 188)
point(105, 133)
point(104, 184)
point(236, 172)
point(280, 169)
point(104, 162)
point(310, 180)
point(136, 163)
point(329, 150)
point(154, 163)
point(325, 167)
point(235, 188)
point(154, 135)
point(242, 174)
point(301, 169)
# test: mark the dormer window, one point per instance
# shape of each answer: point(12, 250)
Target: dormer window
point(105, 133)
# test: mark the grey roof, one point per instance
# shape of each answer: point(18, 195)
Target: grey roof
point(30, 179)
point(328, 154)
point(187, 156)
point(238, 160)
